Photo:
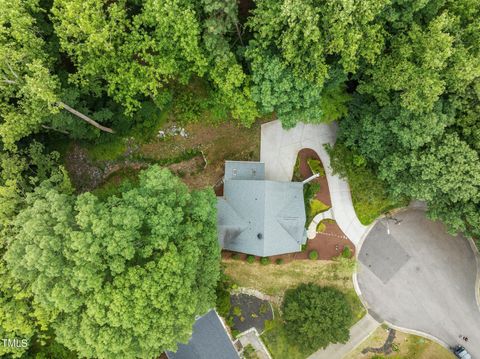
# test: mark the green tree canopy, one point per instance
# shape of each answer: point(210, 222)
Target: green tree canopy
point(316, 316)
point(298, 46)
point(30, 92)
point(415, 116)
point(124, 277)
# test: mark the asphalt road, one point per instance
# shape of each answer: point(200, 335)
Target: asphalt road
point(420, 277)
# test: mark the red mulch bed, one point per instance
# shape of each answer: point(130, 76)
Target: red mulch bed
point(324, 193)
point(329, 243)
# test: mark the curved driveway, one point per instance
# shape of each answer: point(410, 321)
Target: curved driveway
point(421, 278)
point(278, 150)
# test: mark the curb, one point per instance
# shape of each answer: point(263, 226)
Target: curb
point(476, 253)
point(418, 333)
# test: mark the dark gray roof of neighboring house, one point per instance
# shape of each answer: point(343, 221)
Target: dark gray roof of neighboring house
point(260, 217)
point(209, 341)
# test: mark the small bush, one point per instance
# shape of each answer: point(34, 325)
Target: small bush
point(309, 191)
point(237, 311)
point(264, 261)
point(316, 166)
point(236, 256)
point(346, 252)
point(249, 352)
point(250, 259)
point(321, 227)
point(304, 247)
point(313, 255)
point(279, 261)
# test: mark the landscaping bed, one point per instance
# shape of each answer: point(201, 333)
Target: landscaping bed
point(403, 346)
point(248, 311)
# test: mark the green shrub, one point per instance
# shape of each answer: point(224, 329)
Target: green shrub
point(264, 261)
point(346, 252)
point(369, 193)
point(279, 261)
point(223, 295)
point(321, 227)
point(309, 191)
point(236, 256)
point(315, 207)
point(304, 247)
point(250, 259)
point(316, 166)
point(237, 311)
point(313, 255)
point(249, 352)
point(107, 150)
point(316, 316)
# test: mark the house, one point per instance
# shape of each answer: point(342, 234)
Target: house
point(257, 216)
point(209, 340)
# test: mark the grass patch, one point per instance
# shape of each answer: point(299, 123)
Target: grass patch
point(108, 150)
point(409, 346)
point(116, 183)
point(369, 194)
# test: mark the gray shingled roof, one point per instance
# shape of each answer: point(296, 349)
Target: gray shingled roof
point(209, 340)
point(260, 217)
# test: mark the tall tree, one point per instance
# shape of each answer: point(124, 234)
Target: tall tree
point(30, 94)
point(316, 316)
point(298, 46)
point(416, 113)
point(153, 250)
point(20, 172)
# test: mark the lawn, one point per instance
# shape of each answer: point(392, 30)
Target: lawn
point(408, 347)
point(275, 279)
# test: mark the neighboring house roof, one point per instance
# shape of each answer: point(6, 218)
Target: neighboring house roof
point(260, 217)
point(209, 340)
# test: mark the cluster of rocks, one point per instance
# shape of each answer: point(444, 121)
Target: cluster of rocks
point(173, 130)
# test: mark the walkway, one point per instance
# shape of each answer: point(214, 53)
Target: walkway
point(421, 278)
point(279, 150)
point(358, 333)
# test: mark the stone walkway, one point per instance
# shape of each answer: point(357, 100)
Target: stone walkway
point(252, 337)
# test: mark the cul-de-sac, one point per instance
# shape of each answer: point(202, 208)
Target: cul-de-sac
point(239, 179)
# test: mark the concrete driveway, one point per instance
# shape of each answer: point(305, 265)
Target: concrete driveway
point(279, 149)
point(421, 278)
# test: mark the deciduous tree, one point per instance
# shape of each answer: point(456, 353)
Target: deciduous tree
point(120, 278)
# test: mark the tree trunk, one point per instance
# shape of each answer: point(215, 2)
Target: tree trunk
point(85, 118)
point(55, 129)
point(239, 33)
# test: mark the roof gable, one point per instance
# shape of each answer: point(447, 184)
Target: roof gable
point(261, 217)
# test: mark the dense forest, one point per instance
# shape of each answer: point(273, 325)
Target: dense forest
point(401, 78)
